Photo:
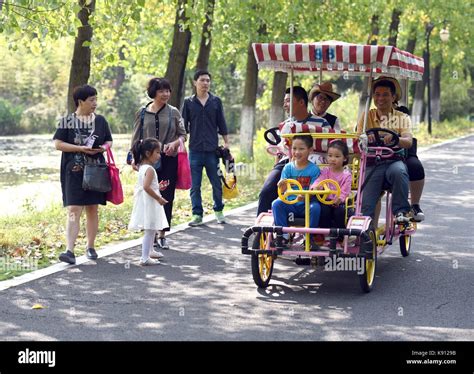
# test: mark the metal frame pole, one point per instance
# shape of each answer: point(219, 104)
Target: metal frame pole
point(369, 99)
point(428, 79)
point(291, 93)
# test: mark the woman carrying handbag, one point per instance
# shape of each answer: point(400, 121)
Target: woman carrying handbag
point(81, 136)
point(161, 121)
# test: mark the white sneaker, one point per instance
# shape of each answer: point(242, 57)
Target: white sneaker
point(149, 262)
point(156, 254)
point(402, 218)
point(220, 217)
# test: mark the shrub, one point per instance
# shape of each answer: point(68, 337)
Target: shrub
point(10, 116)
point(40, 118)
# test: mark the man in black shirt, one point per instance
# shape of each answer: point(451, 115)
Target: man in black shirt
point(204, 119)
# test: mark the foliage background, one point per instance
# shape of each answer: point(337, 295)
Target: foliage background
point(37, 38)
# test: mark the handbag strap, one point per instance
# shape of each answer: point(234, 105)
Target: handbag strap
point(142, 119)
point(78, 133)
point(169, 123)
point(110, 157)
point(182, 147)
point(225, 182)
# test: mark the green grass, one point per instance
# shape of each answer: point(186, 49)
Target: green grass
point(34, 239)
point(442, 131)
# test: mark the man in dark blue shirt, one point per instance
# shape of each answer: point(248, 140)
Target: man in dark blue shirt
point(204, 119)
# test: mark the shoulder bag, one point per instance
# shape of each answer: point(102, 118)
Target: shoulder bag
point(96, 173)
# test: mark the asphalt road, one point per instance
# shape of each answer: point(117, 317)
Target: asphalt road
point(204, 289)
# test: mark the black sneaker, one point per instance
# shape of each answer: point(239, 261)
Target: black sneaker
point(68, 257)
point(418, 214)
point(162, 244)
point(91, 254)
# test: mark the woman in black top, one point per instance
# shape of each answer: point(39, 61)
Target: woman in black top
point(79, 135)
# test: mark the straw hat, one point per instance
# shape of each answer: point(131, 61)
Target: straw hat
point(325, 88)
point(398, 89)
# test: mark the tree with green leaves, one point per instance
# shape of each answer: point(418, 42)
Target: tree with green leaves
point(178, 54)
point(81, 57)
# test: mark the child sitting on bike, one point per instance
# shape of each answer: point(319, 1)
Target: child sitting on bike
point(305, 172)
point(337, 157)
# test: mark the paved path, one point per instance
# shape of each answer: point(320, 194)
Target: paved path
point(204, 290)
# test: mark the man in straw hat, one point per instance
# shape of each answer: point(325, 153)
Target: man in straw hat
point(321, 97)
point(386, 92)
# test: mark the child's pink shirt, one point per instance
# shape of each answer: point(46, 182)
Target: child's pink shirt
point(344, 179)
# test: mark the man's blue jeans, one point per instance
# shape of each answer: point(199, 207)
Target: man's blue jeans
point(396, 174)
point(210, 162)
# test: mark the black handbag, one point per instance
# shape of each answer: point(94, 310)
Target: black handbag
point(96, 176)
point(96, 173)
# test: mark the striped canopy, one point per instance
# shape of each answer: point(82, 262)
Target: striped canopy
point(338, 57)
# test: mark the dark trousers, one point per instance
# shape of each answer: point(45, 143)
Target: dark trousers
point(169, 171)
point(269, 191)
point(209, 161)
point(332, 216)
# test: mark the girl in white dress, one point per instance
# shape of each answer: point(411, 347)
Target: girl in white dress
point(148, 213)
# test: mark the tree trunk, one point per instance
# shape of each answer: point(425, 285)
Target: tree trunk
point(410, 48)
point(178, 55)
point(419, 99)
point(247, 118)
point(372, 40)
point(81, 57)
point(277, 113)
point(202, 62)
point(119, 72)
point(411, 43)
point(436, 92)
point(393, 29)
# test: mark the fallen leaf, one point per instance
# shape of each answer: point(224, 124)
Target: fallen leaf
point(18, 252)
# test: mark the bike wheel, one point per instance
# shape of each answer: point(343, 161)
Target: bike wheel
point(405, 245)
point(367, 278)
point(262, 264)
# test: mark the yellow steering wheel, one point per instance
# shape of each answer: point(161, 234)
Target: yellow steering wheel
point(326, 185)
point(289, 191)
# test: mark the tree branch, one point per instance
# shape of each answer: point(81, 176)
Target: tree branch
point(34, 21)
point(30, 9)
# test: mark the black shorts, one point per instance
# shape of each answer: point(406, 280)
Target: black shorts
point(416, 170)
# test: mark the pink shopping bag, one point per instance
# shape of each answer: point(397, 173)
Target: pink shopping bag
point(115, 195)
point(183, 181)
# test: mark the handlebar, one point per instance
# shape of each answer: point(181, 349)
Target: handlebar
point(382, 152)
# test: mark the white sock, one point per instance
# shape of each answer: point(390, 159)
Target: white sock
point(147, 244)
